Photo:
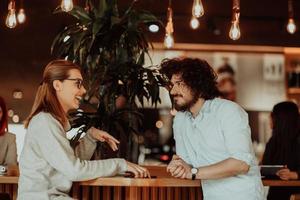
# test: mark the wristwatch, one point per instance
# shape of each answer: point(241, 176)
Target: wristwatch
point(194, 171)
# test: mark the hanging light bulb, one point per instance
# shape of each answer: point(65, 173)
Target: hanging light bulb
point(235, 32)
point(197, 10)
point(67, 5)
point(291, 26)
point(169, 39)
point(194, 23)
point(21, 16)
point(11, 19)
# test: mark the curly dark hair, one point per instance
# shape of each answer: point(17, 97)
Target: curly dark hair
point(197, 74)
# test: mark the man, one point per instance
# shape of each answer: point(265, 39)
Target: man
point(212, 135)
point(225, 82)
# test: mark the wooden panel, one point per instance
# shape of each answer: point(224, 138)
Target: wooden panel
point(145, 193)
point(85, 193)
point(154, 193)
point(162, 193)
point(117, 193)
point(177, 193)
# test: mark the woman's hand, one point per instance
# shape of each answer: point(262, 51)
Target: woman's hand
point(286, 174)
point(138, 171)
point(104, 137)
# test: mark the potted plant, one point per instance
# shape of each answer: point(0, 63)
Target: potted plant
point(111, 47)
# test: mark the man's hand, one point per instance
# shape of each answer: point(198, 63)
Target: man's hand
point(286, 174)
point(104, 137)
point(179, 168)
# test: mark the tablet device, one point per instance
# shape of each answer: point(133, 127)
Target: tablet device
point(270, 170)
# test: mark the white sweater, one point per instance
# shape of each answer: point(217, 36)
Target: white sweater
point(48, 164)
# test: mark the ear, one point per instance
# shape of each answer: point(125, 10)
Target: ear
point(57, 85)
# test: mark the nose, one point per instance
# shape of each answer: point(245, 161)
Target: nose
point(172, 91)
point(83, 90)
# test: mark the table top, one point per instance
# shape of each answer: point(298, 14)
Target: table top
point(163, 179)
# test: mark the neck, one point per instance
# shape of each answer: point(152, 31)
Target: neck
point(197, 107)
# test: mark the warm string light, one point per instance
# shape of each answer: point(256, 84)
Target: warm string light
point(169, 40)
point(235, 32)
point(67, 5)
point(11, 19)
point(291, 26)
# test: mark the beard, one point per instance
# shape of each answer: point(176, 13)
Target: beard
point(187, 105)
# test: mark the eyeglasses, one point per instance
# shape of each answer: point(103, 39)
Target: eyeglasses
point(178, 85)
point(79, 82)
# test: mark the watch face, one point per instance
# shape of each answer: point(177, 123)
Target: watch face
point(194, 170)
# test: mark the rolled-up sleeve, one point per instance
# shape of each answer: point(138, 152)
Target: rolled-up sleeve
point(236, 132)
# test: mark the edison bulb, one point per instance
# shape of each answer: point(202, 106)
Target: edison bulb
point(291, 26)
point(67, 5)
point(194, 23)
point(11, 19)
point(235, 32)
point(21, 16)
point(169, 41)
point(197, 10)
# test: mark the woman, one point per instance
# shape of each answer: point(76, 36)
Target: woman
point(283, 147)
point(48, 164)
point(8, 150)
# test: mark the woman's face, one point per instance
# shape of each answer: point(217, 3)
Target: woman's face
point(70, 91)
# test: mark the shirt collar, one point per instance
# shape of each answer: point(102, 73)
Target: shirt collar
point(204, 109)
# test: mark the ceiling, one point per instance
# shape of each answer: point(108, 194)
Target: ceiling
point(26, 49)
point(262, 22)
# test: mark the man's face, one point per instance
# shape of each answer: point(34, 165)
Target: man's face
point(182, 95)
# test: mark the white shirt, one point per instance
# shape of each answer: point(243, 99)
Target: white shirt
point(48, 164)
point(220, 131)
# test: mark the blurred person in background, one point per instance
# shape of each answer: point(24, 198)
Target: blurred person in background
point(226, 82)
point(8, 149)
point(283, 148)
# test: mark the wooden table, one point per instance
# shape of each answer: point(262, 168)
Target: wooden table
point(161, 187)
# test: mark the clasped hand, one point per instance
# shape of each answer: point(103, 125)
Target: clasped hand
point(179, 168)
point(286, 174)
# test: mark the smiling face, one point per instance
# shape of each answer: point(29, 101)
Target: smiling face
point(183, 96)
point(70, 91)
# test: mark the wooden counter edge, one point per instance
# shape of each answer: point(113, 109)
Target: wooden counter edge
point(156, 182)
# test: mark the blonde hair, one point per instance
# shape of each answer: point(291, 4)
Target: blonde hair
point(46, 99)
